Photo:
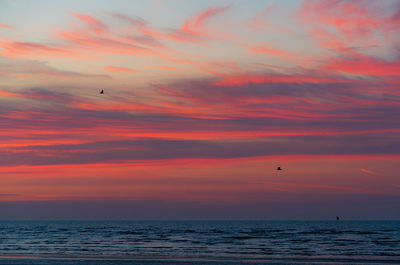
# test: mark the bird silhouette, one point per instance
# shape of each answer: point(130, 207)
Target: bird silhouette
point(337, 218)
point(278, 168)
point(102, 91)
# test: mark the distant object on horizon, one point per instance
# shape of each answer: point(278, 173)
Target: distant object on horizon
point(278, 168)
point(102, 91)
point(337, 218)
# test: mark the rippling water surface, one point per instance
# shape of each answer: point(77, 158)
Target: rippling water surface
point(231, 239)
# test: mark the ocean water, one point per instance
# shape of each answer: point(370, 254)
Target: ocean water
point(230, 240)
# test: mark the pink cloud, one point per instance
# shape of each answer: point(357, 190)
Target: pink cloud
point(340, 24)
point(18, 48)
point(4, 26)
point(367, 171)
point(9, 94)
point(95, 25)
point(118, 69)
point(350, 18)
point(250, 78)
point(35, 69)
point(107, 45)
point(264, 48)
point(258, 20)
point(195, 25)
point(169, 68)
point(193, 29)
point(95, 36)
point(363, 65)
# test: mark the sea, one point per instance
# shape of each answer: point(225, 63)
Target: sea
point(199, 242)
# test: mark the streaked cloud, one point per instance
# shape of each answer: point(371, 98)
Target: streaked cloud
point(17, 48)
point(118, 69)
point(4, 26)
point(202, 102)
point(37, 68)
point(367, 171)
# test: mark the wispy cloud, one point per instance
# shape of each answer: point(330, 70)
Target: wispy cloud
point(4, 26)
point(38, 68)
point(17, 48)
point(363, 65)
point(367, 171)
point(195, 24)
point(354, 23)
point(119, 69)
point(227, 86)
point(267, 49)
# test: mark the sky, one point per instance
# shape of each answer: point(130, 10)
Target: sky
point(202, 101)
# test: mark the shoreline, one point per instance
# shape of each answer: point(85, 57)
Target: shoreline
point(136, 260)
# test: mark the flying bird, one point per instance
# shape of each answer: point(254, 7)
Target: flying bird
point(102, 91)
point(278, 168)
